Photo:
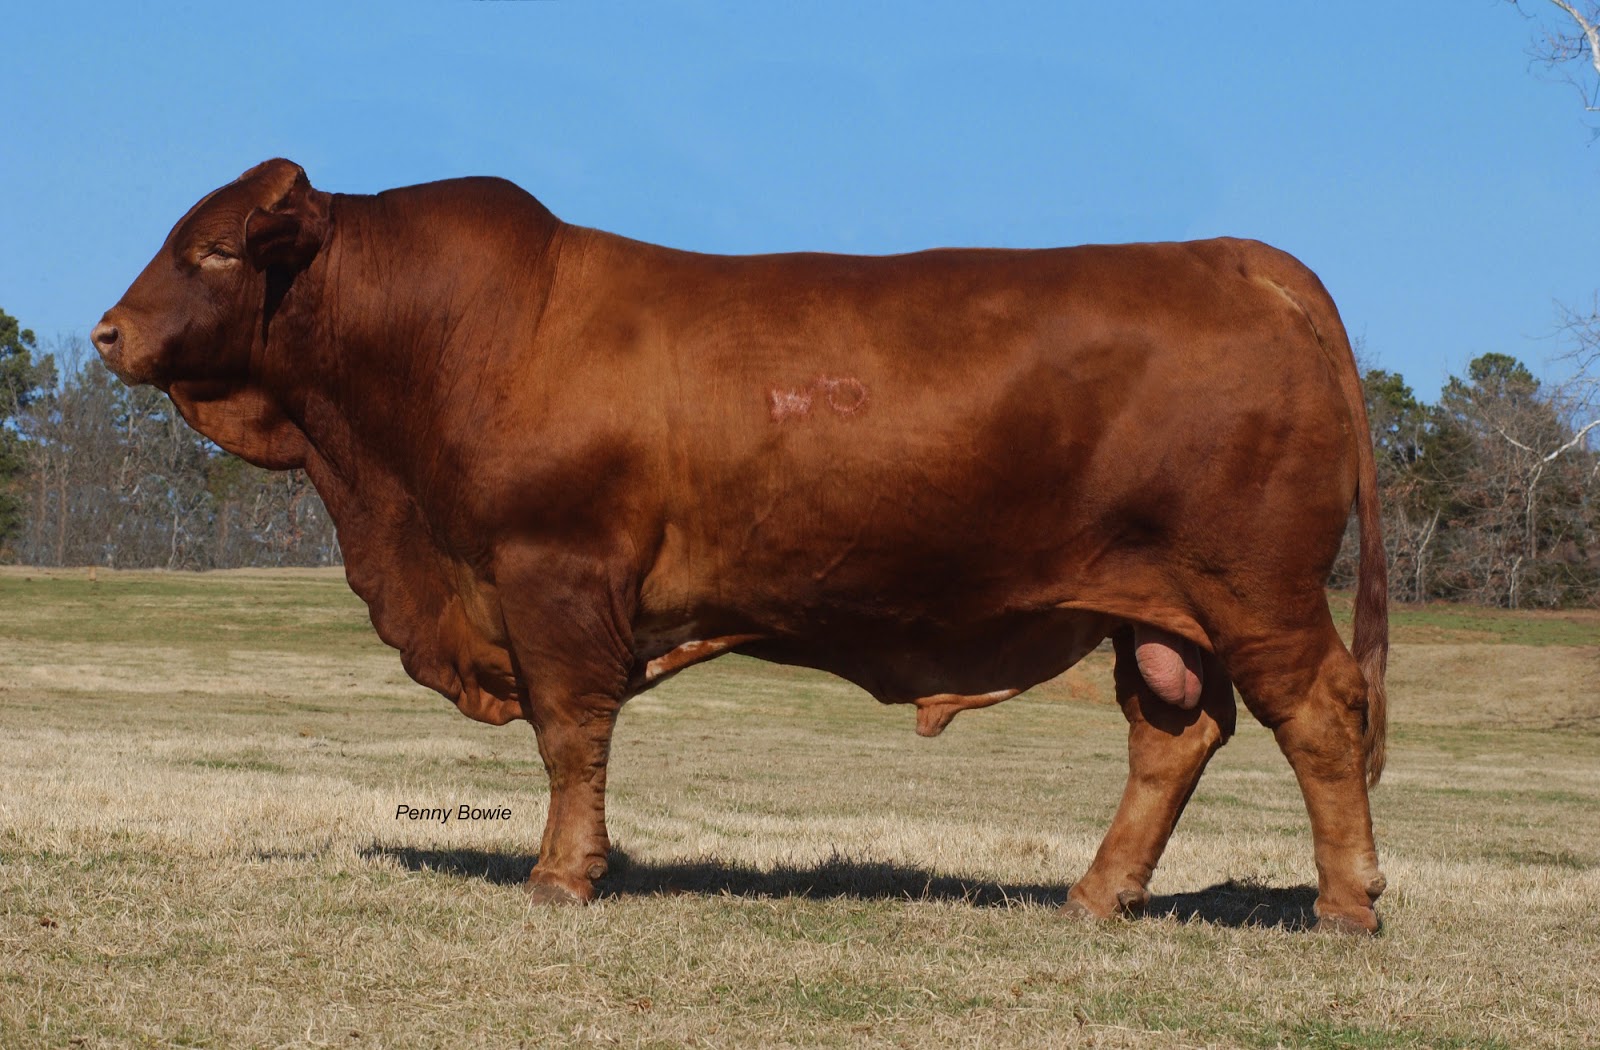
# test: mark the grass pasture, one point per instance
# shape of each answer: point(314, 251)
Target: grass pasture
point(198, 847)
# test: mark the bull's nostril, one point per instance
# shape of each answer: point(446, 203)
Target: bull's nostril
point(105, 336)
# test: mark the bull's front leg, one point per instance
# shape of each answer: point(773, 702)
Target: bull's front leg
point(574, 734)
point(567, 617)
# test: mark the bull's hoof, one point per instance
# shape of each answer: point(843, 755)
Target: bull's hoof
point(551, 890)
point(1359, 921)
point(1127, 902)
point(1133, 902)
point(1076, 909)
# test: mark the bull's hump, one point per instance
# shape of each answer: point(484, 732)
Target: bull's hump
point(486, 195)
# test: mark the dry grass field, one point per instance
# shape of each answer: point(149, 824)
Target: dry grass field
point(199, 777)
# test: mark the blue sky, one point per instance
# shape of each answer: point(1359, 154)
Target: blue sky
point(1406, 152)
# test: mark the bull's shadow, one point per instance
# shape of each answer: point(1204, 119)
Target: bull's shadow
point(1232, 903)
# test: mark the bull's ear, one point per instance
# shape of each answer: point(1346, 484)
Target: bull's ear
point(289, 232)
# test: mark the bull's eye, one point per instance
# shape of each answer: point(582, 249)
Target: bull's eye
point(217, 255)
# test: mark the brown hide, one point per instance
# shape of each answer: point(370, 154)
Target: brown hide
point(565, 465)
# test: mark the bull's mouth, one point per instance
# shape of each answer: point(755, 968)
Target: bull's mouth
point(131, 374)
point(113, 362)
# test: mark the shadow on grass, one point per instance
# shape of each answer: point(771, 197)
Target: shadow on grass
point(1231, 903)
point(1242, 903)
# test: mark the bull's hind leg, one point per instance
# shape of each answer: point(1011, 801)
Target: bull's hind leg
point(1168, 747)
point(1305, 687)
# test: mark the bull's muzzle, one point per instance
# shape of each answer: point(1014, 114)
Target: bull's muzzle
point(111, 342)
point(107, 339)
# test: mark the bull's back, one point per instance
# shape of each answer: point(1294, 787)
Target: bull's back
point(846, 426)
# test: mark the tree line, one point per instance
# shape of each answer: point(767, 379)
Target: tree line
point(93, 472)
point(1491, 494)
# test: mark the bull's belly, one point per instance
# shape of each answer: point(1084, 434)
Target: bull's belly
point(942, 665)
point(942, 669)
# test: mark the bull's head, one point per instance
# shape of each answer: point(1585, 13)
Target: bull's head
point(195, 322)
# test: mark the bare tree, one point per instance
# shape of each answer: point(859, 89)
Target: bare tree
point(116, 478)
point(1571, 45)
point(1580, 328)
point(1401, 430)
point(1492, 495)
point(1517, 503)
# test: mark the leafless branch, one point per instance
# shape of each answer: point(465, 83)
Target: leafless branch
point(1590, 27)
point(1577, 439)
point(1558, 49)
point(1499, 430)
point(1582, 329)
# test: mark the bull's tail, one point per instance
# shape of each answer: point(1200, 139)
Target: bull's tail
point(1370, 645)
point(1371, 642)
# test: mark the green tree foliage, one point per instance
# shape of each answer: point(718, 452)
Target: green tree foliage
point(1400, 423)
point(23, 380)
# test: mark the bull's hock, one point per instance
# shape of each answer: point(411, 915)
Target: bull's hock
point(445, 814)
